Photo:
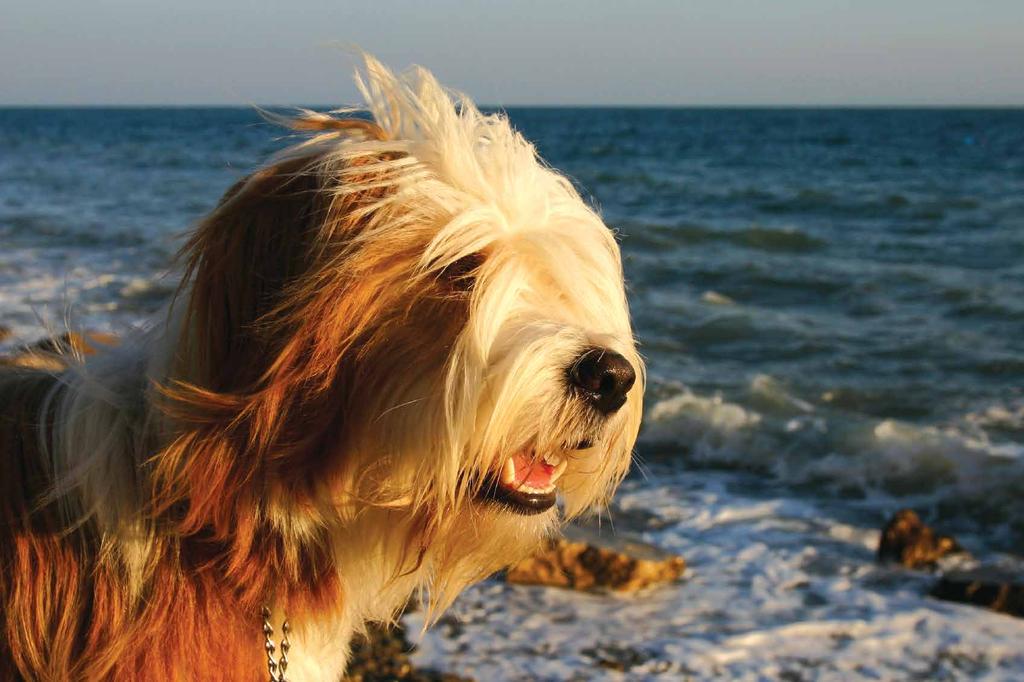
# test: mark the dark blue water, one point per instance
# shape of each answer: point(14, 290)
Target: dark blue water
point(831, 297)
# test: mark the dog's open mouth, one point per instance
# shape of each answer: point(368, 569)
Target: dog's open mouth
point(526, 482)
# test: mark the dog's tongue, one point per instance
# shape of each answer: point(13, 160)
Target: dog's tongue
point(536, 474)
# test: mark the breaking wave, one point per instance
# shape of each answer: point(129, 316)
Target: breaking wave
point(967, 468)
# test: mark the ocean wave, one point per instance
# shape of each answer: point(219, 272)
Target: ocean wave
point(967, 467)
point(47, 230)
point(773, 239)
point(756, 237)
point(1003, 418)
point(813, 200)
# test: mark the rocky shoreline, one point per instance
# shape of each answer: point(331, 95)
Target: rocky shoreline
point(383, 655)
point(906, 540)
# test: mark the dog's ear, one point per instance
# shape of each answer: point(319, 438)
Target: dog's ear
point(240, 260)
point(272, 292)
point(239, 263)
point(274, 305)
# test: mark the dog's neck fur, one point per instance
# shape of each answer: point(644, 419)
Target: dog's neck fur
point(170, 453)
point(327, 593)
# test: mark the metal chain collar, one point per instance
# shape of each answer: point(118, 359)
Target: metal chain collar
point(276, 667)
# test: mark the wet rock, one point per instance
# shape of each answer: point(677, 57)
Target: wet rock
point(51, 353)
point(5, 333)
point(906, 540)
point(586, 559)
point(618, 658)
point(992, 588)
point(383, 655)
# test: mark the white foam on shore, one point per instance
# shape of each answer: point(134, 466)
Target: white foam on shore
point(41, 296)
point(774, 588)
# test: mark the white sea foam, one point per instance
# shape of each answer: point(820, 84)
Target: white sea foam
point(1003, 417)
point(775, 588)
point(42, 297)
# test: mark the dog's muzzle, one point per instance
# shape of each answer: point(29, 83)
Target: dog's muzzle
point(526, 484)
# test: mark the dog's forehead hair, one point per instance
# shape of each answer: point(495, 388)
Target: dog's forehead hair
point(431, 158)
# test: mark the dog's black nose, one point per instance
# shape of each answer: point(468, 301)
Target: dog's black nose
point(603, 378)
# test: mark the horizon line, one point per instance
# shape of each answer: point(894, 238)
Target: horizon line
point(499, 107)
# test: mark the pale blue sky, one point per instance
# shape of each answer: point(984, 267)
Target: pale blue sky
point(697, 52)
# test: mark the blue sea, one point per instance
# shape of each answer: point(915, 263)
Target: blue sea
point(831, 306)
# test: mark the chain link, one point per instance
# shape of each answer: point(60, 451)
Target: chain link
point(282, 662)
point(277, 667)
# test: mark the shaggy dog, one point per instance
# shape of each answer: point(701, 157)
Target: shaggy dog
point(394, 347)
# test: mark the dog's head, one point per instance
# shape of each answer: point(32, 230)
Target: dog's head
point(412, 312)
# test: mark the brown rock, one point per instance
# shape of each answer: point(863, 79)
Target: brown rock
point(586, 560)
point(992, 588)
point(51, 353)
point(5, 333)
point(383, 655)
point(906, 540)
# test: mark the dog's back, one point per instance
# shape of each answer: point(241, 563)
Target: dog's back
point(67, 611)
point(41, 570)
